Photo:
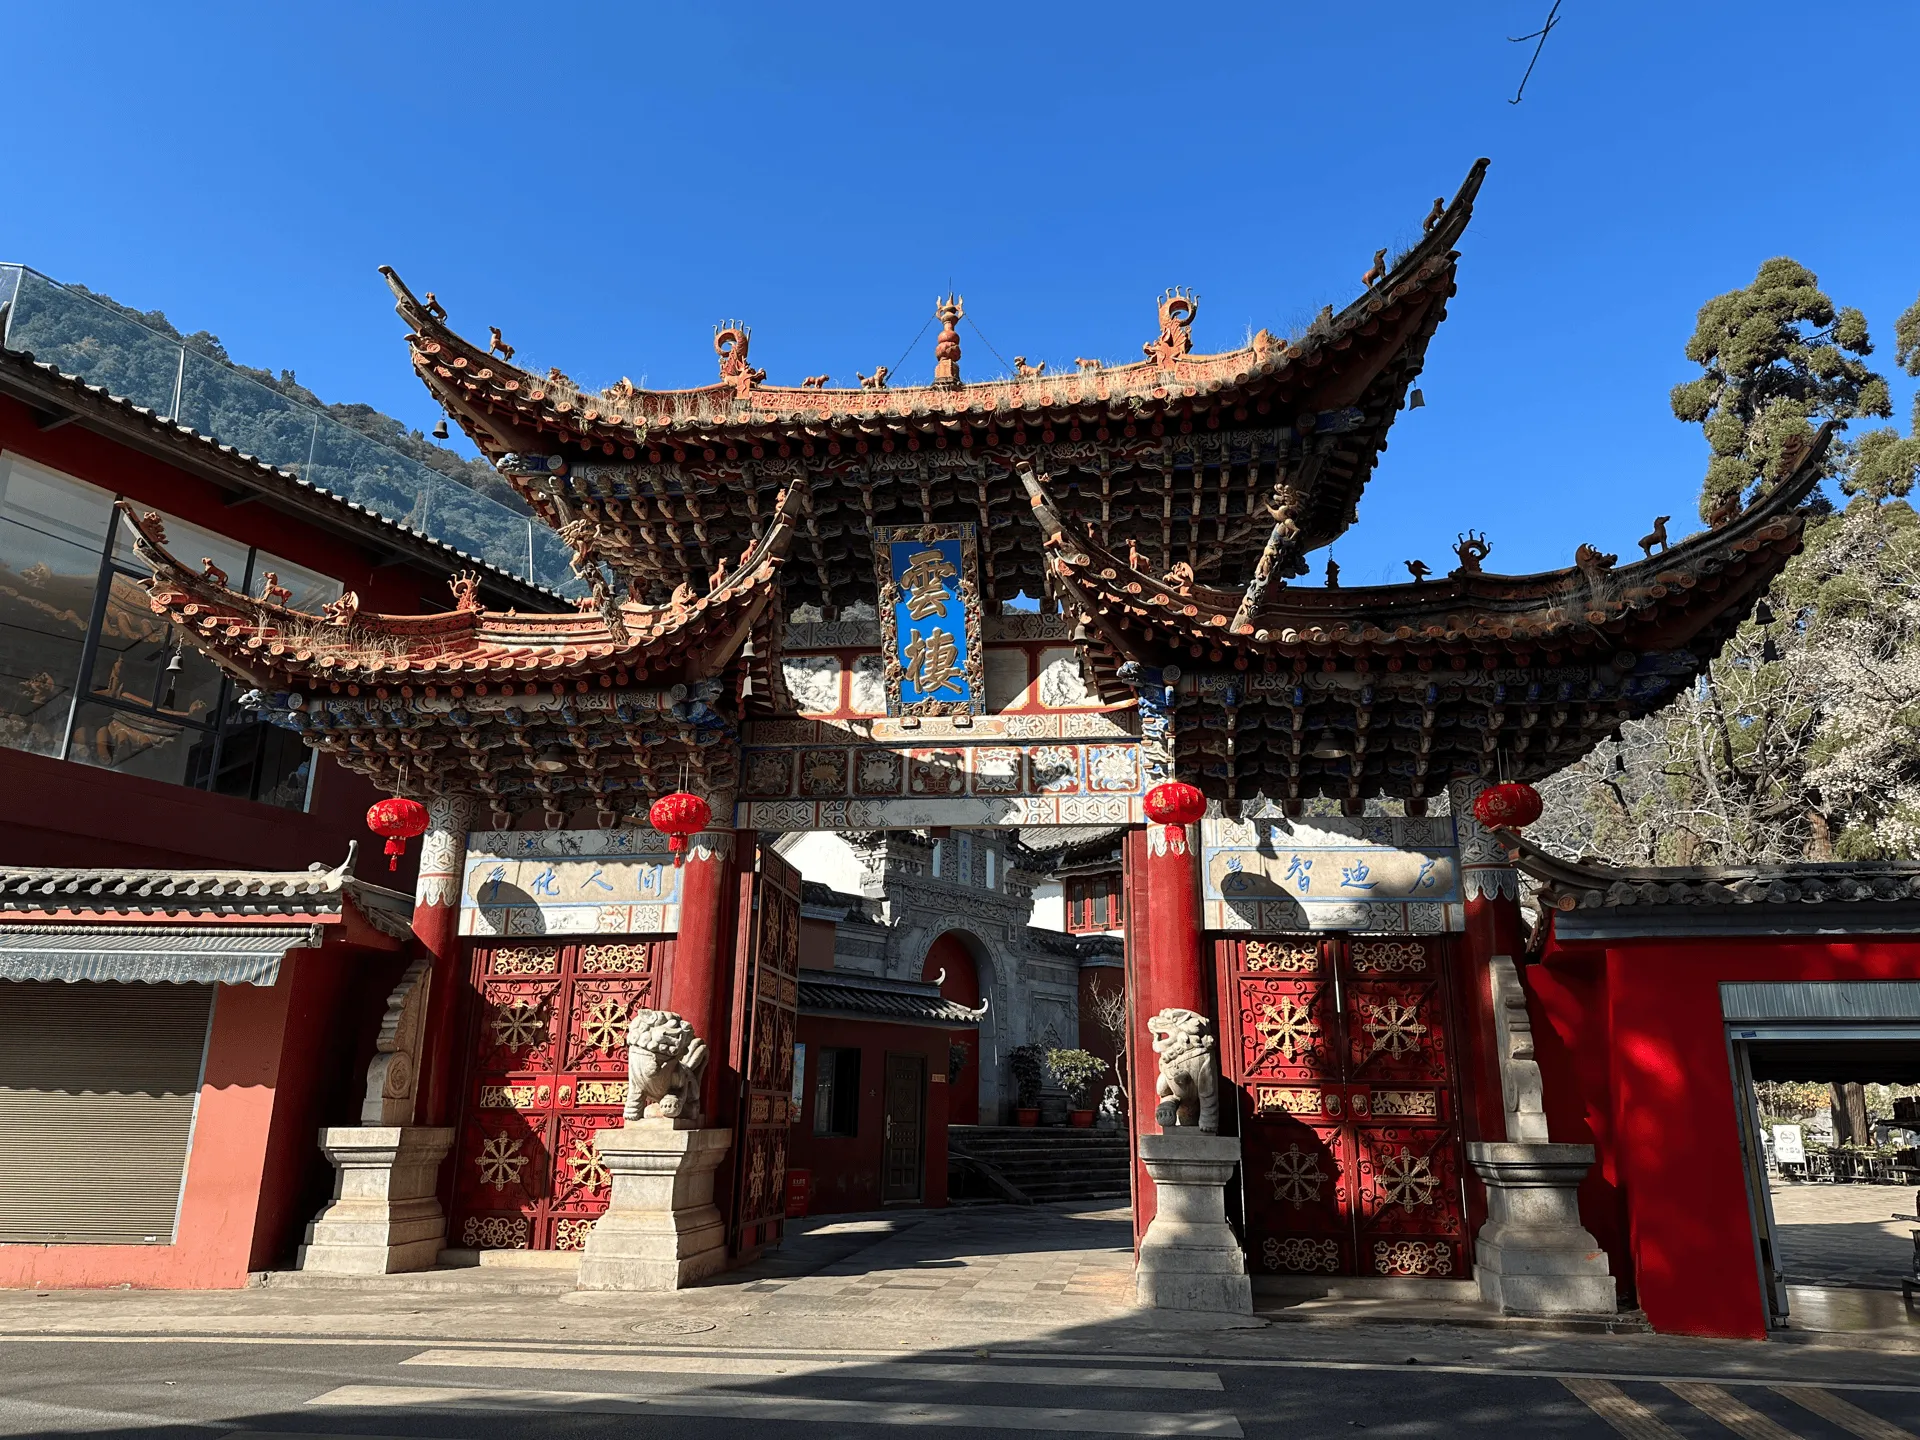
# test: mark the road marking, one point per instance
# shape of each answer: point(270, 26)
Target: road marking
point(782, 1407)
point(1736, 1415)
point(852, 1367)
point(1620, 1410)
point(1850, 1418)
point(1215, 1361)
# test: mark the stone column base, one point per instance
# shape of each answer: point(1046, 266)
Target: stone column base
point(661, 1229)
point(1533, 1256)
point(1190, 1259)
point(385, 1216)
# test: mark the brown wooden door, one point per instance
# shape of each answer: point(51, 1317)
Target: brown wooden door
point(766, 994)
point(1342, 1051)
point(903, 1128)
point(547, 1066)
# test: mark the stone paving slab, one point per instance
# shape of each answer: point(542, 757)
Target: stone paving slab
point(1845, 1236)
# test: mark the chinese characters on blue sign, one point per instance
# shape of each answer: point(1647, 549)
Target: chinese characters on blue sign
point(930, 619)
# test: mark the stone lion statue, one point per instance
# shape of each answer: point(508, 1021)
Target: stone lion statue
point(665, 1064)
point(1188, 1084)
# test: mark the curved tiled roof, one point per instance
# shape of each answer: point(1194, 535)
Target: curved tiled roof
point(1179, 450)
point(44, 385)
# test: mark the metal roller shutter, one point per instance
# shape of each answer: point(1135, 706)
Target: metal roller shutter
point(97, 1090)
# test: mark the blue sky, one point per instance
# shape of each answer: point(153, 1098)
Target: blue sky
point(607, 183)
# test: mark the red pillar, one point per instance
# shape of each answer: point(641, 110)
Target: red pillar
point(436, 923)
point(700, 982)
point(1166, 966)
point(1490, 888)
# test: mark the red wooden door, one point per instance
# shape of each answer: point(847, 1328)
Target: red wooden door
point(766, 997)
point(1342, 1053)
point(547, 1047)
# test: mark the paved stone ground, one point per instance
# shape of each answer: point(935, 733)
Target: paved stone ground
point(1845, 1236)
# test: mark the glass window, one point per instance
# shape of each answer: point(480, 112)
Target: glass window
point(51, 533)
point(71, 600)
point(939, 857)
point(836, 1094)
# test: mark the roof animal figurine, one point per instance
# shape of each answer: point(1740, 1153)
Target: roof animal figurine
point(1419, 569)
point(1026, 371)
point(272, 591)
point(623, 389)
point(497, 346)
point(815, 382)
point(1377, 271)
point(434, 307)
point(1433, 215)
point(1180, 576)
point(876, 381)
point(1086, 365)
point(213, 572)
point(730, 342)
point(342, 611)
point(1177, 309)
point(1593, 562)
point(1133, 553)
point(1725, 510)
point(1656, 536)
point(1473, 549)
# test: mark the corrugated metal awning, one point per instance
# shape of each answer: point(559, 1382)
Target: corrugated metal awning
point(151, 954)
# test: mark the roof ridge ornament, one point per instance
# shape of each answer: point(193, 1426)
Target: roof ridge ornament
point(731, 340)
point(946, 349)
point(1177, 309)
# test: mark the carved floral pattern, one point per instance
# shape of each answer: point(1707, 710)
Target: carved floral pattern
point(495, 1232)
point(501, 1160)
point(1289, 1028)
point(604, 1027)
point(1394, 1026)
point(589, 1171)
point(1412, 1257)
point(1388, 957)
point(1416, 1104)
point(1299, 1255)
point(525, 960)
point(1294, 957)
point(518, 1025)
point(1407, 1180)
point(615, 959)
point(571, 1234)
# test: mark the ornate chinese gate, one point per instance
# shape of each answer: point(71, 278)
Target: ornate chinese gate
point(1341, 1051)
point(547, 1034)
point(766, 995)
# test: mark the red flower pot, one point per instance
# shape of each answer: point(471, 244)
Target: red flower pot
point(1080, 1119)
point(1027, 1117)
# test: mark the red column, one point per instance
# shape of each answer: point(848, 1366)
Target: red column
point(1166, 968)
point(436, 923)
point(1490, 886)
point(700, 985)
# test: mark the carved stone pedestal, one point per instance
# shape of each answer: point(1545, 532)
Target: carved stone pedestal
point(1190, 1258)
point(1533, 1256)
point(661, 1229)
point(384, 1216)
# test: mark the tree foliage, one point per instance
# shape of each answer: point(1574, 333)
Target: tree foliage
point(1777, 359)
point(1802, 740)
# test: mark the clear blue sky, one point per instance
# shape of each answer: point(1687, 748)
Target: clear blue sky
point(606, 183)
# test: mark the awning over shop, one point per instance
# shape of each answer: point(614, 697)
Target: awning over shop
point(151, 954)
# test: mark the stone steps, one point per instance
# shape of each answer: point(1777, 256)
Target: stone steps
point(1049, 1164)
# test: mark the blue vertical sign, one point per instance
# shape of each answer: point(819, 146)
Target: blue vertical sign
point(930, 618)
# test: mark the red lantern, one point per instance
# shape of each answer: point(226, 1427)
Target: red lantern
point(399, 819)
point(677, 816)
point(1511, 806)
point(1175, 804)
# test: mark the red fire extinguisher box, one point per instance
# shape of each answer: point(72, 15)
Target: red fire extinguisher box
point(799, 1188)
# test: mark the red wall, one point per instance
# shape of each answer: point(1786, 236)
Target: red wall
point(846, 1172)
point(962, 986)
point(1632, 1046)
point(271, 1069)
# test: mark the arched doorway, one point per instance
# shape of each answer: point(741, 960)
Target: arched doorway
point(950, 963)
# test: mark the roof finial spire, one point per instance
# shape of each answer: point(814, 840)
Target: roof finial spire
point(946, 350)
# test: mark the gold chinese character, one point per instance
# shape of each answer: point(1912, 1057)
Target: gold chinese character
point(932, 662)
point(926, 595)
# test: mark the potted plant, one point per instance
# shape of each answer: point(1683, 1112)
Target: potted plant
point(1076, 1070)
point(1028, 1065)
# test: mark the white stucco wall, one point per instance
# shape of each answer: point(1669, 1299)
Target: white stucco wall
point(823, 856)
point(1049, 906)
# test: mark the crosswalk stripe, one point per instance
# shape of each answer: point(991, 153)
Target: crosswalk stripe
point(1848, 1417)
point(726, 1406)
point(1621, 1410)
point(1736, 1415)
point(851, 1367)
